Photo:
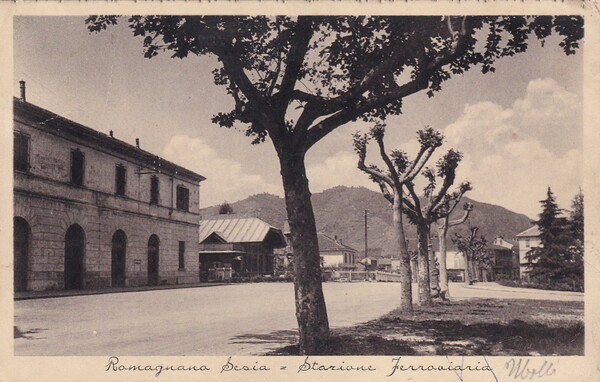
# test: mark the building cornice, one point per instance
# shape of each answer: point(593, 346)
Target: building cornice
point(49, 122)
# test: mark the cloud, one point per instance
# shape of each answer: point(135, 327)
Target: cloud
point(551, 112)
point(226, 179)
point(513, 154)
point(337, 169)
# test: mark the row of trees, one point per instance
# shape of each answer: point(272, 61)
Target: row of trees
point(558, 262)
point(433, 205)
point(294, 80)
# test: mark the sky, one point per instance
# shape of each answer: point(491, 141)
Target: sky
point(520, 129)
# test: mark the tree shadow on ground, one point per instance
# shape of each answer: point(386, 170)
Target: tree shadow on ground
point(473, 327)
point(28, 334)
point(273, 340)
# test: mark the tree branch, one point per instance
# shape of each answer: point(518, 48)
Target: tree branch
point(458, 48)
point(461, 220)
point(448, 181)
point(233, 67)
point(386, 159)
point(301, 36)
point(353, 111)
point(378, 175)
point(417, 203)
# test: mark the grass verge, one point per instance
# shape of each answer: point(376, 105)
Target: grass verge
point(466, 327)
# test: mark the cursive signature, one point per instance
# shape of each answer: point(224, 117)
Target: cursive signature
point(526, 369)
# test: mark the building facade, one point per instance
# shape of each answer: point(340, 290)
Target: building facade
point(527, 240)
point(91, 211)
point(335, 254)
point(236, 245)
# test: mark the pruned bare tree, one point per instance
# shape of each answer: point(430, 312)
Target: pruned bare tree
point(398, 171)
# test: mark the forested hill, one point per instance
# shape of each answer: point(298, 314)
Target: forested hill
point(340, 211)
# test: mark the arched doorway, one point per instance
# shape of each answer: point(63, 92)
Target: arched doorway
point(119, 247)
point(153, 260)
point(21, 253)
point(74, 252)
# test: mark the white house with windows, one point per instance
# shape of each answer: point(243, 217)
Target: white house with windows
point(335, 254)
point(527, 240)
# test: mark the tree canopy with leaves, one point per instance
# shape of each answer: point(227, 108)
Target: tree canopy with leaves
point(225, 208)
point(296, 79)
point(559, 258)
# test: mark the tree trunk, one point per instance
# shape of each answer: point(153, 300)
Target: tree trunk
point(467, 269)
point(434, 283)
point(474, 273)
point(423, 262)
point(414, 266)
point(405, 271)
point(311, 312)
point(442, 232)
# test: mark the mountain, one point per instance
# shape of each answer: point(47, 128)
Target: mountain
point(340, 211)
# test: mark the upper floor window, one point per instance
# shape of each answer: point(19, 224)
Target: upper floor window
point(120, 179)
point(21, 152)
point(154, 190)
point(527, 243)
point(182, 255)
point(183, 198)
point(77, 167)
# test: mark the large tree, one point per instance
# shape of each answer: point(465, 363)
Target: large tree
point(399, 170)
point(576, 249)
point(296, 79)
point(558, 260)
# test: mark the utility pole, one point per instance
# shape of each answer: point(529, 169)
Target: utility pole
point(366, 247)
point(366, 250)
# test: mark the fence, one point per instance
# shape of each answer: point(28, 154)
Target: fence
point(219, 274)
point(362, 276)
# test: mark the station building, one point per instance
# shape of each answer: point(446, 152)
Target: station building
point(91, 211)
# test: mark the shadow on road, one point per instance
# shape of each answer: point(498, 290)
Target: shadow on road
point(276, 338)
point(28, 334)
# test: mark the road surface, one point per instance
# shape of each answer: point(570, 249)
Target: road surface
point(238, 319)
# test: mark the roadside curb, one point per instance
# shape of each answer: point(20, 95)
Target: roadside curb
point(34, 295)
point(524, 290)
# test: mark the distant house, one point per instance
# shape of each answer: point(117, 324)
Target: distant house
point(455, 265)
point(388, 264)
point(239, 245)
point(334, 254)
point(503, 263)
point(527, 240)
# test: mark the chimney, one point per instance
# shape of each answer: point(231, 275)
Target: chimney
point(111, 134)
point(22, 83)
point(137, 143)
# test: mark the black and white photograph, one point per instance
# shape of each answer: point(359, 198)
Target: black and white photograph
point(308, 194)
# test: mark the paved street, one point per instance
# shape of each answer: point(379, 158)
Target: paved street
point(239, 319)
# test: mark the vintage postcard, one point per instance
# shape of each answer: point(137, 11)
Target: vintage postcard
point(324, 190)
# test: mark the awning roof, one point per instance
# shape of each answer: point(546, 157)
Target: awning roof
point(235, 229)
